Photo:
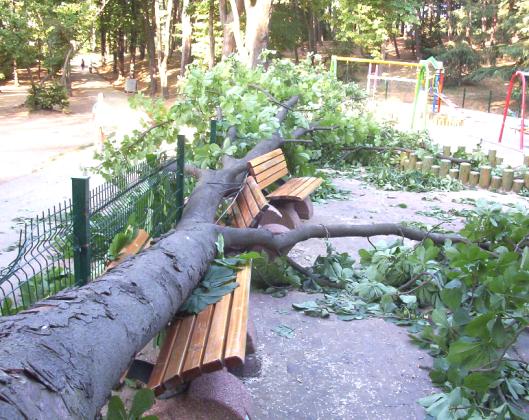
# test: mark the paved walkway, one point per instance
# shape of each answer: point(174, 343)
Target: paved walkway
point(41, 151)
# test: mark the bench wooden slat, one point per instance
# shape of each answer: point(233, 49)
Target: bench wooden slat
point(236, 340)
point(276, 161)
point(214, 355)
point(179, 351)
point(264, 179)
point(238, 219)
point(306, 184)
point(244, 208)
point(309, 188)
point(197, 345)
point(158, 373)
point(249, 199)
point(296, 189)
point(257, 193)
point(263, 158)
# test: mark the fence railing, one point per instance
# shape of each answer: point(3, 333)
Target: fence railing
point(69, 244)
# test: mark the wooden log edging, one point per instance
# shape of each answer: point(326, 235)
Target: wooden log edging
point(462, 170)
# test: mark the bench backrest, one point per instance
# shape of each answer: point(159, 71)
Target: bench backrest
point(249, 204)
point(268, 168)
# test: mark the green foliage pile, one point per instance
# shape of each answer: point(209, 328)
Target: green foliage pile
point(218, 281)
point(47, 96)
point(387, 178)
point(466, 305)
point(249, 100)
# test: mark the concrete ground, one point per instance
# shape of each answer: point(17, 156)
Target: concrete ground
point(331, 369)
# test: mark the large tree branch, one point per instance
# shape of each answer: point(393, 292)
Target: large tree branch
point(243, 238)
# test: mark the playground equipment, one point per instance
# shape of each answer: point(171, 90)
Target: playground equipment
point(429, 80)
point(522, 76)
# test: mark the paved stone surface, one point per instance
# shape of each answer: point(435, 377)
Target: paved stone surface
point(331, 369)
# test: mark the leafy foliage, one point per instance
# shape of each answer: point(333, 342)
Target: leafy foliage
point(47, 96)
point(218, 281)
point(466, 305)
point(389, 179)
point(121, 240)
point(244, 96)
point(143, 400)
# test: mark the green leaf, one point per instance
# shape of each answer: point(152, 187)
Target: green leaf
point(480, 381)
point(452, 294)
point(143, 401)
point(116, 409)
point(284, 331)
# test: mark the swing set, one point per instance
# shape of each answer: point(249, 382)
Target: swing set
point(522, 75)
point(429, 79)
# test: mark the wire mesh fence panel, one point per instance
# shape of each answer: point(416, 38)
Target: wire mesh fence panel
point(149, 196)
point(44, 262)
point(148, 202)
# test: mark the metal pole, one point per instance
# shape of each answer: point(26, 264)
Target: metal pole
point(464, 96)
point(490, 101)
point(213, 131)
point(81, 229)
point(180, 161)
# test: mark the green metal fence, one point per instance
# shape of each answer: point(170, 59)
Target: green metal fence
point(69, 244)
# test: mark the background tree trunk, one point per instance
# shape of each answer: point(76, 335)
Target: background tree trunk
point(187, 33)
point(257, 22)
point(211, 34)
point(151, 48)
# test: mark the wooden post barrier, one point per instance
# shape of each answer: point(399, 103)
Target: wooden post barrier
point(507, 178)
point(445, 167)
point(453, 173)
point(413, 161)
point(435, 170)
point(473, 179)
point(495, 183)
point(526, 160)
point(418, 166)
point(484, 176)
point(447, 151)
point(492, 157)
point(517, 185)
point(526, 180)
point(427, 164)
point(464, 172)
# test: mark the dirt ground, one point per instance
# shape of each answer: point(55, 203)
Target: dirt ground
point(41, 151)
point(331, 369)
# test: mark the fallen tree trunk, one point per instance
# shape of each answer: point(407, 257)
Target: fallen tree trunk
point(61, 358)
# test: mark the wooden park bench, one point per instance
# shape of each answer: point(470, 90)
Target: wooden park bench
point(294, 193)
point(216, 337)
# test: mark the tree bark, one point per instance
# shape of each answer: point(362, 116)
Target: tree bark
point(163, 33)
point(15, 73)
point(257, 22)
point(211, 34)
point(226, 18)
point(151, 49)
point(187, 33)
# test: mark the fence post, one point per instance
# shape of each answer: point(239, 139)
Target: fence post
point(490, 100)
point(386, 89)
point(81, 229)
point(180, 161)
point(213, 131)
point(464, 96)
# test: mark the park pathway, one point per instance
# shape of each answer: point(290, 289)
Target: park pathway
point(41, 151)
